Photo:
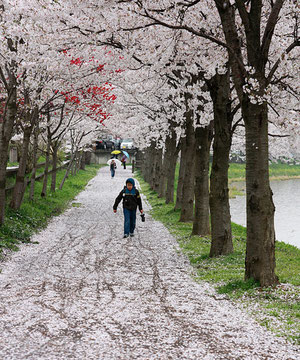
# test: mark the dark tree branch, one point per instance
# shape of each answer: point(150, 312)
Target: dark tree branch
point(269, 30)
point(273, 108)
point(237, 123)
point(200, 33)
point(244, 15)
point(235, 110)
point(189, 3)
point(60, 120)
point(4, 80)
point(278, 136)
point(288, 50)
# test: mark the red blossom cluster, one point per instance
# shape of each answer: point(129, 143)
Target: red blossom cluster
point(92, 99)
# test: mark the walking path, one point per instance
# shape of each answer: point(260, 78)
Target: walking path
point(84, 292)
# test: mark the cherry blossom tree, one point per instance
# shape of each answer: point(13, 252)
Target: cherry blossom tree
point(249, 29)
point(166, 53)
point(33, 57)
point(257, 40)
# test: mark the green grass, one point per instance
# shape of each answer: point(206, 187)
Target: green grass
point(276, 308)
point(41, 159)
point(10, 164)
point(11, 179)
point(277, 171)
point(20, 225)
point(236, 173)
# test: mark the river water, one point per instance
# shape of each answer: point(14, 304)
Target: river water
point(286, 197)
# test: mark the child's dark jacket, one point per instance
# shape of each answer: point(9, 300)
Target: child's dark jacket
point(113, 166)
point(131, 199)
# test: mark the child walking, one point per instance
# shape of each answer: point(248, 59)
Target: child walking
point(113, 167)
point(131, 200)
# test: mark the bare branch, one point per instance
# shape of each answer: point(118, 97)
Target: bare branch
point(237, 123)
point(189, 3)
point(278, 135)
point(4, 80)
point(243, 14)
point(275, 67)
point(200, 33)
point(269, 30)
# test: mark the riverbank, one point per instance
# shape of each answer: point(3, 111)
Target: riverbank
point(34, 215)
point(278, 308)
point(237, 172)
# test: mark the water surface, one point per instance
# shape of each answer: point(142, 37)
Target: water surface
point(286, 197)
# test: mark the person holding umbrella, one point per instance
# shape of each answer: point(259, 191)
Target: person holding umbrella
point(123, 160)
point(113, 163)
point(115, 153)
point(112, 167)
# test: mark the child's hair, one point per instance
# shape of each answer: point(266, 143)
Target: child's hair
point(131, 181)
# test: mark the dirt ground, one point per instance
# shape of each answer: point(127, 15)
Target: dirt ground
point(84, 292)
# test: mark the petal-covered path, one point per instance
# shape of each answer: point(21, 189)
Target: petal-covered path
point(84, 292)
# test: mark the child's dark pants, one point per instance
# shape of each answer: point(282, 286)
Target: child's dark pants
point(129, 221)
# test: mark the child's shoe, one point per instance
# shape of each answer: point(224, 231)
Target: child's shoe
point(125, 236)
point(131, 234)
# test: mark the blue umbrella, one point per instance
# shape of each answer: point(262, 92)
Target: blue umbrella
point(125, 153)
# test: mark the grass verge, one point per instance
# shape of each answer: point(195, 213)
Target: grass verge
point(236, 175)
point(276, 308)
point(34, 215)
point(277, 171)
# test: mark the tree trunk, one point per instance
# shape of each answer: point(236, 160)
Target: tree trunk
point(146, 165)
point(139, 161)
point(82, 160)
point(164, 169)
point(174, 150)
point(187, 202)
point(203, 142)
point(221, 236)
point(183, 159)
point(77, 162)
point(157, 174)
point(20, 186)
point(6, 127)
point(54, 167)
point(45, 179)
point(67, 171)
point(151, 165)
point(34, 161)
point(74, 164)
point(88, 156)
point(4, 144)
point(171, 180)
point(260, 248)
